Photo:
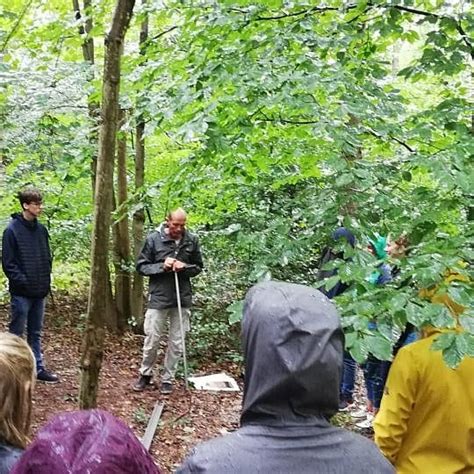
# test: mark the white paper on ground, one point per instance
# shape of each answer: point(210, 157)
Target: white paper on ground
point(215, 382)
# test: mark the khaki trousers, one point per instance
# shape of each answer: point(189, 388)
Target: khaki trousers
point(154, 326)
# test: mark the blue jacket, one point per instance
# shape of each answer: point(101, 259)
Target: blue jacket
point(8, 457)
point(26, 257)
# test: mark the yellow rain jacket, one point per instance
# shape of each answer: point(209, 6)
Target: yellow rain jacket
point(436, 296)
point(426, 420)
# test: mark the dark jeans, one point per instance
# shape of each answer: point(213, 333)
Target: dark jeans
point(28, 312)
point(375, 376)
point(348, 377)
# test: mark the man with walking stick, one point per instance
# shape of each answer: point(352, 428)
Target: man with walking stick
point(170, 256)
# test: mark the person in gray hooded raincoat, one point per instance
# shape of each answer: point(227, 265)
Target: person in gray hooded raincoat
point(293, 346)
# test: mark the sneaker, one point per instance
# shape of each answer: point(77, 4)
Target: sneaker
point(48, 377)
point(360, 414)
point(367, 423)
point(166, 388)
point(142, 383)
point(345, 405)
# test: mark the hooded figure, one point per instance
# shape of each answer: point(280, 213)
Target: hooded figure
point(293, 345)
point(328, 256)
point(89, 441)
point(384, 273)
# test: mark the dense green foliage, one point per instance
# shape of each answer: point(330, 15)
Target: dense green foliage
point(272, 122)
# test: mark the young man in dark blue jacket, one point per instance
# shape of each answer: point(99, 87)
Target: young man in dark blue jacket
point(26, 261)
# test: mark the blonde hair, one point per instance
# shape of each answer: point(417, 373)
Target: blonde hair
point(17, 378)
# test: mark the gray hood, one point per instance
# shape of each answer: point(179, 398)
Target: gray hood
point(293, 345)
point(293, 348)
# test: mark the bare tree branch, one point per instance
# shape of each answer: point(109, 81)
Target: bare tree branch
point(162, 33)
point(309, 11)
point(403, 144)
point(16, 25)
point(395, 139)
point(459, 27)
point(468, 41)
point(315, 121)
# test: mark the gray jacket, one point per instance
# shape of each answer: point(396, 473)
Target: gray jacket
point(162, 290)
point(293, 346)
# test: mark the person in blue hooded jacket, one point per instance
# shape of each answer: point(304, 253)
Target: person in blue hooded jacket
point(293, 345)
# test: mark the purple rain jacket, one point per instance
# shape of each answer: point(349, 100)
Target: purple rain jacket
point(85, 442)
point(293, 345)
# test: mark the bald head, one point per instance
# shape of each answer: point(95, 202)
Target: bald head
point(176, 222)
point(177, 213)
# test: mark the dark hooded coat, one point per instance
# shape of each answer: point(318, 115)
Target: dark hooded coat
point(293, 346)
point(328, 256)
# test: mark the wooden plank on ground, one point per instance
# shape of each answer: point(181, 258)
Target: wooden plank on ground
point(152, 424)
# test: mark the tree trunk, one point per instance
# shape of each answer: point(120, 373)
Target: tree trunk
point(139, 216)
point(93, 342)
point(94, 113)
point(349, 206)
point(122, 237)
point(89, 57)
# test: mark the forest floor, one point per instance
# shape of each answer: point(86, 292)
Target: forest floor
point(188, 417)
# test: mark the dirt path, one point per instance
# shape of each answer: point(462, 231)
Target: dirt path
point(187, 419)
